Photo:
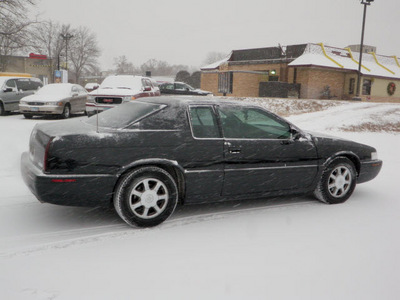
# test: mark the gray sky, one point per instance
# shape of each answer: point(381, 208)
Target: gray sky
point(185, 31)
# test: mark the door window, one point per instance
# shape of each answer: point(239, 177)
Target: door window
point(204, 123)
point(180, 87)
point(24, 84)
point(252, 123)
point(11, 84)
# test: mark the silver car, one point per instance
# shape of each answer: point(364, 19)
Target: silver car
point(61, 99)
point(12, 89)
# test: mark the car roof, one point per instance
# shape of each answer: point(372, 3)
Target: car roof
point(192, 100)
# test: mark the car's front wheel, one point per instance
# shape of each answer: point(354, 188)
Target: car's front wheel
point(337, 182)
point(2, 110)
point(146, 196)
point(66, 112)
point(28, 116)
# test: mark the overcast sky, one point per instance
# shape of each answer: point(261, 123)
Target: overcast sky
point(185, 31)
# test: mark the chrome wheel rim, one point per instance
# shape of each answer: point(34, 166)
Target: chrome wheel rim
point(66, 112)
point(148, 198)
point(339, 181)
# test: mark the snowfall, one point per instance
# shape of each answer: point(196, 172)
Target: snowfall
point(280, 248)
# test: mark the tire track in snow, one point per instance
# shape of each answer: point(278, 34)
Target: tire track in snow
point(97, 234)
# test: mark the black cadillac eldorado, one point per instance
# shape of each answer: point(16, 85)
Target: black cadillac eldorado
point(147, 155)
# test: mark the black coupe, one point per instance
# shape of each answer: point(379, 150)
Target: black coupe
point(145, 156)
point(181, 88)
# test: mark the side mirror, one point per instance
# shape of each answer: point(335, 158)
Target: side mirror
point(296, 134)
point(147, 89)
point(7, 90)
point(75, 94)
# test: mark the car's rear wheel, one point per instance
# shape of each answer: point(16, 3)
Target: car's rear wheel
point(66, 112)
point(2, 110)
point(146, 196)
point(337, 182)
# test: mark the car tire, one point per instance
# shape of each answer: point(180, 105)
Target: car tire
point(66, 112)
point(28, 116)
point(146, 196)
point(2, 110)
point(337, 182)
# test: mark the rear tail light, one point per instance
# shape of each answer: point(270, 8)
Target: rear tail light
point(46, 155)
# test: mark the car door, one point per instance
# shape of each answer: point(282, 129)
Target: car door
point(181, 89)
point(204, 154)
point(261, 155)
point(11, 95)
point(82, 97)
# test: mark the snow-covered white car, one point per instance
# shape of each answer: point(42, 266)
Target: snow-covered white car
point(55, 99)
point(118, 89)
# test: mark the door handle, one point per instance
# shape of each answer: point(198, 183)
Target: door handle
point(235, 151)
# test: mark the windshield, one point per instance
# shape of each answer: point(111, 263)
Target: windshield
point(55, 89)
point(124, 115)
point(122, 82)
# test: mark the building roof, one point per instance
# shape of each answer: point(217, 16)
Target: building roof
point(344, 59)
point(259, 55)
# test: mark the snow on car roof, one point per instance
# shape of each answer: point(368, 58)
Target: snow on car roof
point(55, 89)
point(122, 81)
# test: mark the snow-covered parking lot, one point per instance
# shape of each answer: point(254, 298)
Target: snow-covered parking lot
point(283, 248)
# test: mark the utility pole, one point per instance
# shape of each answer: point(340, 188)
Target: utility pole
point(365, 3)
point(66, 37)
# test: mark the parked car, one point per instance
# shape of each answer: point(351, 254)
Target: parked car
point(12, 89)
point(61, 99)
point(146, 156)
point(119, 89)
point(181, 88)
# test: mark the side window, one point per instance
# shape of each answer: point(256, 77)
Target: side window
point(252, 123)
point(74, 89)
point(169, 86)
point(11, 83)
point(24, 84)
point(35, 84)
point(204, 122)
point(180, 87)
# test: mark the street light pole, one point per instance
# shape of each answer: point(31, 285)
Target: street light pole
point(365, 2)
point(66, 37)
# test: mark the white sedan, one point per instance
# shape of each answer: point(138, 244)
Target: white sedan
point(61, 99)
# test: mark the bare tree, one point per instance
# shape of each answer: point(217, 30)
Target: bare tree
point(123, 66)
point(46, 38)
point(213, 57)
point(84, 51)
point(13, 27)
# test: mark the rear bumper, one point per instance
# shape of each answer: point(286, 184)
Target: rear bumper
point(90, 190)
point(369, 170)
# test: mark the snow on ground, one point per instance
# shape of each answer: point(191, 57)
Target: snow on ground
point(283, 248)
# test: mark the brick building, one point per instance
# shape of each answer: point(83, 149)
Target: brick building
point(36, 65)
point(312, 71)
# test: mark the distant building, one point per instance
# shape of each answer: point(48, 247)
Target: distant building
point(36, 65)
point(310, 71)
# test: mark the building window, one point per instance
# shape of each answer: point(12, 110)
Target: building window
point(351, 86)
point(366, 90)
point(225, 82)
point(295, 75)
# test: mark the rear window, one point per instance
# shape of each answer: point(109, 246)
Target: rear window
point(124, 115)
